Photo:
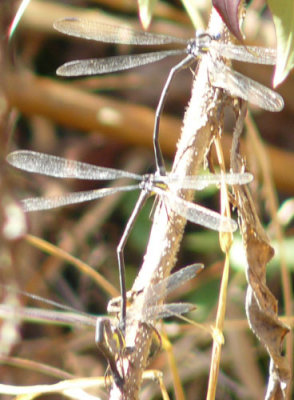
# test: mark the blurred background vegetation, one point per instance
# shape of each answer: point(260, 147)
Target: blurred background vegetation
point(108, 121)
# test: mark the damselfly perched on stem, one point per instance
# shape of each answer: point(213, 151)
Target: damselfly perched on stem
point(108, 334)
point(164, 186)
point(220, 75)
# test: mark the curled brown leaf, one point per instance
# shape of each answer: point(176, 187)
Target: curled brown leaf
point(261, 305)
point(229, 10)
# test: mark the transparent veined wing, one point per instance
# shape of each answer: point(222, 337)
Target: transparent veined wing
point(70, 316)
point(168, 310)
point(112, 64)
point(158, 312)
point(41, 315)
point(199, 182)
point(47, 203)
point(60, 167)
point(163, 288)
point(95, 30)
point(196, 213)
point(250, 54)
point(239, 85)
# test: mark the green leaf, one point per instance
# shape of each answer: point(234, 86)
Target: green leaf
point(146, 8)
point(283, 16)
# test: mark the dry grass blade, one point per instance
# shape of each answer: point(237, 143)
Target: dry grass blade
point(65, 256)
point(72, 388)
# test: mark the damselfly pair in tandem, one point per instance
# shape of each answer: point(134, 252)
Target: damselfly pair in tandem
point(108, 334)
point(220, 75)
point(164, 186)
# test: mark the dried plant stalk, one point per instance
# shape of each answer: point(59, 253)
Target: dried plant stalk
point(166, 234)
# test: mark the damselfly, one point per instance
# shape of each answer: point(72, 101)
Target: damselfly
point(153, 184)
point(220, 75)
point(108, 335)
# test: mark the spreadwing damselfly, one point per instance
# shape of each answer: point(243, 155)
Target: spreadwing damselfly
point(164, 186)
point(220, 75)
point(108, 334)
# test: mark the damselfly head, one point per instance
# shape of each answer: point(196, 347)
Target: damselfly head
point(147, 182)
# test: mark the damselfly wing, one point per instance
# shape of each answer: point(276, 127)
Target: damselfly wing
point(165, 186)
point(108, 335)
point(220, 75)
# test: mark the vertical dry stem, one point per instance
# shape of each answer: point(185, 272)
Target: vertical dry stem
point(167, 231)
